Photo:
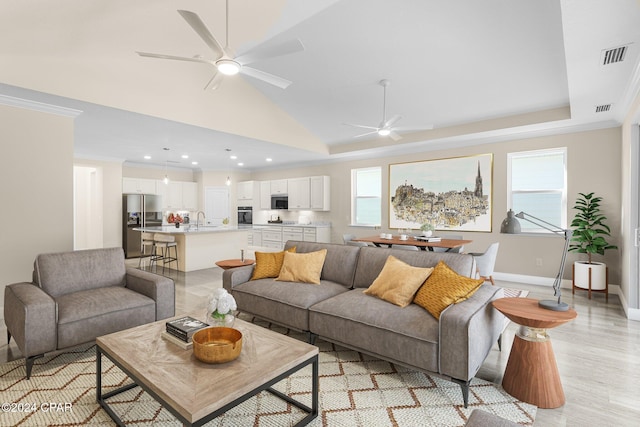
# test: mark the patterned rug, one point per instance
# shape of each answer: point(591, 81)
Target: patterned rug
point(355, 390)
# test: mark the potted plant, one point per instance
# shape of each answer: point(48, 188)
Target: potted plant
point(427, 229)
point(589, 232)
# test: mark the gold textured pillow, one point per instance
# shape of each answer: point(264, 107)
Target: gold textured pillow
point(443, 288)
point(304, 267)
point(398, 282)
point(268, 264)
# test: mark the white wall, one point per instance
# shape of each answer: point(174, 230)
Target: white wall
point(36, 169)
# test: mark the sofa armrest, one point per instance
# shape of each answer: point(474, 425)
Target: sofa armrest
point(236, 276)
point(31, 318)
point(159, 288)
point(468, 330)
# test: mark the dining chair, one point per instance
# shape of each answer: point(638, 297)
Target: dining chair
point(486, 261)
point(405, 247)
point(348, 237)
point(452, 250)
point(352, 243)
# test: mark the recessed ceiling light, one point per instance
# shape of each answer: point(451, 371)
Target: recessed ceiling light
point(194, 163)
point(269, 159)
point(240, 164)
point(233, 157)
point(147, 157)
point(185, 156)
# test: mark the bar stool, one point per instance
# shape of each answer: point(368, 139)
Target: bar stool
point(165, 242)
point(148, 249)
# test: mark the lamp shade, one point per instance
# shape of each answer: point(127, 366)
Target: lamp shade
point(510, 225)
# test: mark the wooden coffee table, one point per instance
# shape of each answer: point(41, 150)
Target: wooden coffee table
point(196, 392)
point(226, 264)
point(532, 374)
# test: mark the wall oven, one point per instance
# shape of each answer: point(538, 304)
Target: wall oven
point(245, 215)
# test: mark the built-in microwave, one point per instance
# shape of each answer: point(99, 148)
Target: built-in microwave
point(279, 202)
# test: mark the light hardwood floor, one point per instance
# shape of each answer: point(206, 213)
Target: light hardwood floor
point(598, 353)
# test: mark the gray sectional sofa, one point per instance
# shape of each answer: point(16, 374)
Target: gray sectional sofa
point(338, 311)
point(78, 296)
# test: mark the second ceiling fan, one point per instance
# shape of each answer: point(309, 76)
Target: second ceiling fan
point(386, 127)
point(225, 62)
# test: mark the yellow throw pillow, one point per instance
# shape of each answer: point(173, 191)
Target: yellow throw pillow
point(303, 267)
point(268, 264)
point(443, 288)
point(398, 282)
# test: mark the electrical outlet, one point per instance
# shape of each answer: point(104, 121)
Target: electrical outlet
point(538, 262)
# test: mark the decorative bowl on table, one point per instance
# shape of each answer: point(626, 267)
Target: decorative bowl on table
point(217, 345)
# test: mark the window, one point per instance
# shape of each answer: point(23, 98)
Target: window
point(537, 185)
point(366, 196)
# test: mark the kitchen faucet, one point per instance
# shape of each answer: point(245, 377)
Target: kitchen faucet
point(198, 219)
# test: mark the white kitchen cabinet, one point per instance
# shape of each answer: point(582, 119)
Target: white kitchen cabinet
point(178, 195)
point(320, 194)
point(309, 234)
point(292, 233)
point(299, 193)
point(272, 237)
point(265, 195)
point(244, 191)
point(139, 185)
point(190, 196)
point(256, 236)
point(279, 187)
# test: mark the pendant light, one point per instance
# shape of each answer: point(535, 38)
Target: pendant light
point(166, 174)
point(228, 182)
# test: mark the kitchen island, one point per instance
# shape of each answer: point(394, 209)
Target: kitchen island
point(200, 247)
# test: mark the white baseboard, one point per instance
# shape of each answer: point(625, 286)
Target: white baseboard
point(544, 281)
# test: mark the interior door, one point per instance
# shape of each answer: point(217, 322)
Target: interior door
point(216, 205)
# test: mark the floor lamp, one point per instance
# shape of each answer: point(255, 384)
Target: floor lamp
point(511, 226)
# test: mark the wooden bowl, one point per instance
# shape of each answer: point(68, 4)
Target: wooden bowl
point(217, 345)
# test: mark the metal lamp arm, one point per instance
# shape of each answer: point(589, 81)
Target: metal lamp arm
point(550, 227)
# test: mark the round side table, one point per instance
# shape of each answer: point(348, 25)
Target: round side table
point(226, 264)
point(532, 374)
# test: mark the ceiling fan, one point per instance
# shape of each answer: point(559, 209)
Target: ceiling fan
point(225, 62)
point(386, 127)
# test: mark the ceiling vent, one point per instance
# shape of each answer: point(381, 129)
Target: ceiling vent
point(611, 56)
point(603, 108)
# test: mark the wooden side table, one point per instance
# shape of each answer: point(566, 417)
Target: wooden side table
point(226, 264)
point(532, 374)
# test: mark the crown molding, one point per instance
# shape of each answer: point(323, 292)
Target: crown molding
point(13, 101)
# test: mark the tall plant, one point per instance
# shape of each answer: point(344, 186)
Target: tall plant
point(589, 227)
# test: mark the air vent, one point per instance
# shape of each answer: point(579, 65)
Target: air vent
point(603, 108)
point(611, 56)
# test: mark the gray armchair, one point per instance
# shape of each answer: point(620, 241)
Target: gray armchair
point(486, 262)
point(77, 296)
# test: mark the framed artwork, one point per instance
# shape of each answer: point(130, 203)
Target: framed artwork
point(450, 194)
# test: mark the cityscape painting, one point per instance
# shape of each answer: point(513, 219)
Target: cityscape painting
point(450, 194)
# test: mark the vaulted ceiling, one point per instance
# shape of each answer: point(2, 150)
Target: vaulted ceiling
point(460, 72)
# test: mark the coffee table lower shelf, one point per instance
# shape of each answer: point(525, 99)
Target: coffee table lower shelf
point(312, 412)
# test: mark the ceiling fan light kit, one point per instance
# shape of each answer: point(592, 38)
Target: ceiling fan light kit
point(228, 67)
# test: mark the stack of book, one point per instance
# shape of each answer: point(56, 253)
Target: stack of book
point(179, 331)
point(430, 239)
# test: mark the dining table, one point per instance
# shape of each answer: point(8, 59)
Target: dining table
point(421, 243)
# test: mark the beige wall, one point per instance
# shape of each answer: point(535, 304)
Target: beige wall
point(593, 165)
point(36, 170)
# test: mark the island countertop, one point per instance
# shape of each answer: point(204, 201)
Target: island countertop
point(190, 229)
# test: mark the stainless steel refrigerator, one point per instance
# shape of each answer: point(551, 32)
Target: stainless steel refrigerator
point(138, 210)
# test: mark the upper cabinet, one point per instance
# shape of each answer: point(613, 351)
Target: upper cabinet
point(265, 195)
point(320, 193)
point(299, 193)
point(139, 185)
point(179, 195)
point(245, 191)
point(279, 186)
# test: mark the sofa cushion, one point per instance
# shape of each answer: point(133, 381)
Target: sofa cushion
point(268, 264)
point(304, 268)
point(398, 282)
point(340, 263)
point(406, 335)
point(443, 288)
point(285, 303)
point(85, 315)
point(93, 268)
point(372, 260)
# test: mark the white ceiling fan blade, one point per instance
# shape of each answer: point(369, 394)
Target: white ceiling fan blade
point(391, 121)
point(259, 53)
point(412, 129)
point(395, 136)
point(177, 58)
point(365, 134)
point(361, 126)
point(202, 30)
point(265, 77)
point(214, 82)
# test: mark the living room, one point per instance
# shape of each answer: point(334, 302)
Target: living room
point(40, 155)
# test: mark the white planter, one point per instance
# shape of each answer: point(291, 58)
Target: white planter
point(598, 275)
